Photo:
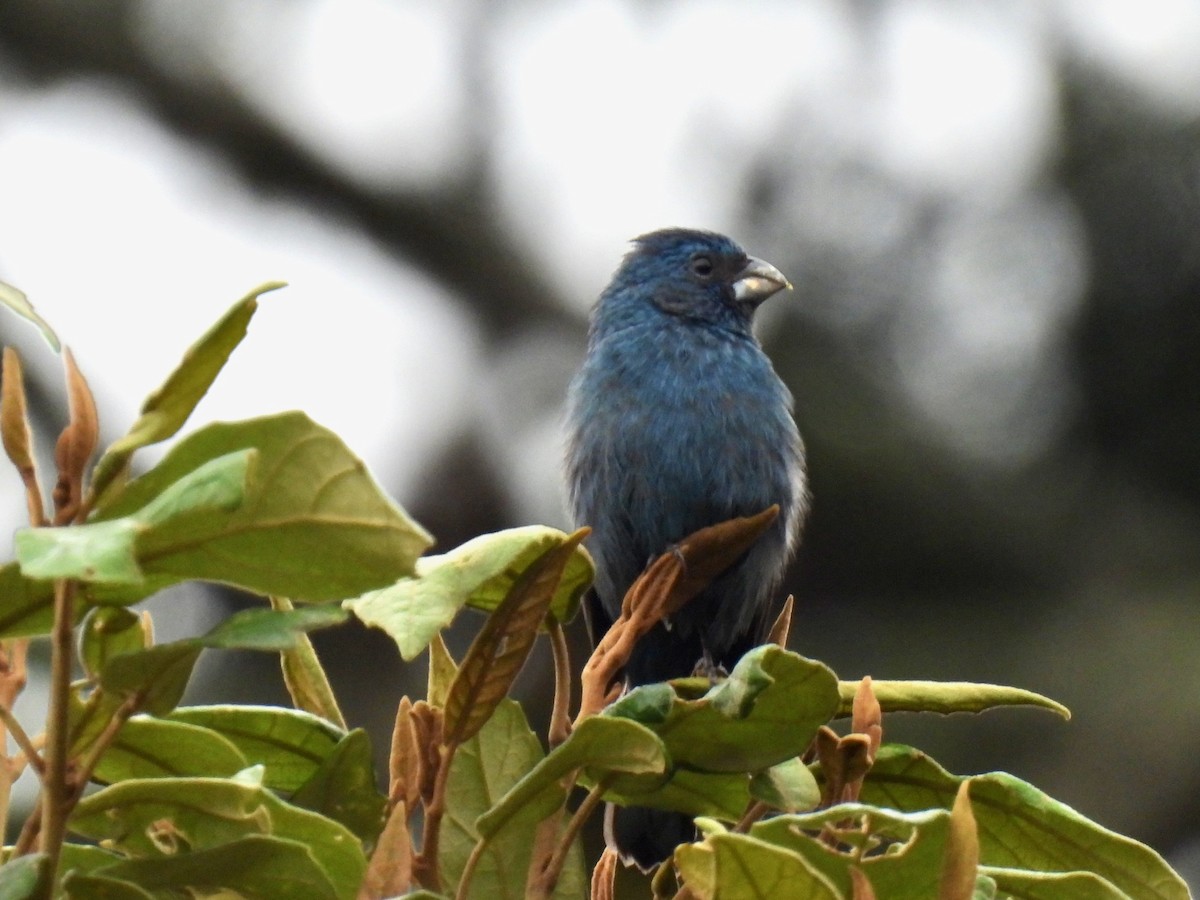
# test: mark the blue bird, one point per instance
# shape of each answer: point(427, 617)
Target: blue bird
point(677, 421)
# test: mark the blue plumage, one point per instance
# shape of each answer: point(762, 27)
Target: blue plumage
point(676, 421)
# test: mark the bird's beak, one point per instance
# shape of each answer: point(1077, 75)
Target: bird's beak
point(758, 281)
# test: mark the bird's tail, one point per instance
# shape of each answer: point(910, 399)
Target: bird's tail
point(644, 836)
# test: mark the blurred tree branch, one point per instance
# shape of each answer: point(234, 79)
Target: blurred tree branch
point(452, 234)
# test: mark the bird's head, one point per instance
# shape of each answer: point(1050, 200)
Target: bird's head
point(696, 275)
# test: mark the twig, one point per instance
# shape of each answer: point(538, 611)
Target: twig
point(54, 780)
point(22, 738)
point(546, 883)
point(426, 866)
point(560, 717)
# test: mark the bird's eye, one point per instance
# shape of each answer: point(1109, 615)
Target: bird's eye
point(702, 266)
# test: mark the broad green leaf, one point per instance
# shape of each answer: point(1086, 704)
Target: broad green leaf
point(304, 676)
point(1022, 828)
point(502, 645)
point(607, 745)
point(157, 748)
point(165, 411)
point(256, 867)
point(314, 525)
point(480, 573)
point(765, 712)
point(909, 870)
point(85, 858)
point(269, 629)
point(717, 795)
point(343, 788)
point(442, 669)
point(290, 744)
point(109, 631)
point(16, 300)
point(787, 787)
point(1024, 885)
point(111, 551)
point(741, 867)
point(158, 675)
point(947, 697)
point(174, 817)
point(101, 887)
point(22, 878)
point(26, 604)
point(484, 769)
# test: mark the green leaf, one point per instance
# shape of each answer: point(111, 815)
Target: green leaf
point(788, 787)
point(767, 711)
point(165, 411)
point(485, 768)
point(606, 745)
point(269, 629)
point(158, 675)
point(101, 887)
point(909, 870)
point(442, 670)
point(314, 525)
point(947, 697)
point(1022, 828)
point(719, 796)
point(290, 744)
point(16, 300)
point(304, 676)
point(26, 604)
point(741, 867)
point(109, 631)
point(1024, 885)
point(480, 573)
point(343, 788)
point(111, 551)
point(158, 748)
point(85, 858)
point(175, 818)
point(23, 878)
point(256, 867)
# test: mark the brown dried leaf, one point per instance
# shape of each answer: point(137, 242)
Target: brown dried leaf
point(427, 726)
point(405, 760)
point(14, 421)
point(783, 624)
point(861, 885)
point(76, 444)
point(710, 551)
point(961, 865)
point(857, 757)
point(604, 875)
point(503, 644)
point(867, 716)
point(390, 872)
point(17, 436)
point(662, 590)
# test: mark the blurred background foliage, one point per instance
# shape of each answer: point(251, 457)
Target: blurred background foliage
point(990, 212)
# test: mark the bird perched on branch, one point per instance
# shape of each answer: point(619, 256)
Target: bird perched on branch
point(677, 421)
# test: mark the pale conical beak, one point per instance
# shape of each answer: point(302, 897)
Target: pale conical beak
point(758, 281)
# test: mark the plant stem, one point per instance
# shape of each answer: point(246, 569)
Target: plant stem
point(428, 870)
point(55, 789)
point(560, 717)
point(548, 880)
point(23, 741)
